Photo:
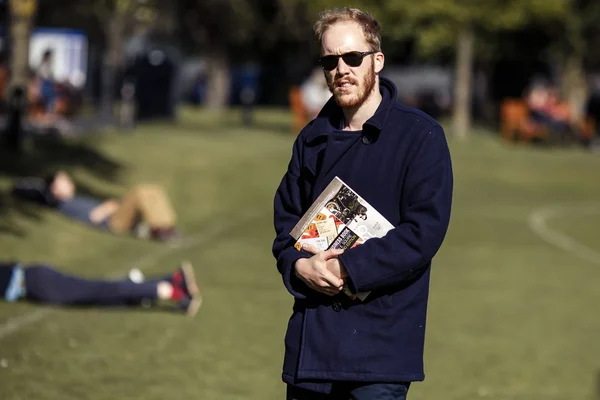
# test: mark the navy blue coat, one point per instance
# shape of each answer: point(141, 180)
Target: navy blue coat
point(400, 164)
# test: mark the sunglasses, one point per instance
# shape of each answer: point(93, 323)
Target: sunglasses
point(352, 59)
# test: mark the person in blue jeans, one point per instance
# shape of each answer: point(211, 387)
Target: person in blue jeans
point(45, 284)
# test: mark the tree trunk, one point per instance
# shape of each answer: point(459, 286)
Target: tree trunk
point(21, 16)
point(573, 82)
point(112, 62)
point(462, 83)
point(218, 80)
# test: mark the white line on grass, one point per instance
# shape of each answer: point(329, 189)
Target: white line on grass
point(15, 324)
point(537, 222)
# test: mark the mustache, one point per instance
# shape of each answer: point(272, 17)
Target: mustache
point(336, 81)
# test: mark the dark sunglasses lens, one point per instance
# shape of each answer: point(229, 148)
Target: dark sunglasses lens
point(329, 62)
point(352, 59)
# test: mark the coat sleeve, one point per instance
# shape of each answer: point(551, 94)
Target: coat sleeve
point(408, 248)
point(288, 211)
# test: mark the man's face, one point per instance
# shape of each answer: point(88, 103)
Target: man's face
point(63, 187)
point(350, 86)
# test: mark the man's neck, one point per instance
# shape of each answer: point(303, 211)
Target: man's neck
point(354, 118)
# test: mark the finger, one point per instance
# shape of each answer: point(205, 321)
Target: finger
point(331, 280)
point(310, 248)
point(331, 253)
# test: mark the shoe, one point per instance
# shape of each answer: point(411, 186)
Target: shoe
point(185, 289)
point(164, 234)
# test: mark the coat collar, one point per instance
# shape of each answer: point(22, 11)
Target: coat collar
point(331, 116)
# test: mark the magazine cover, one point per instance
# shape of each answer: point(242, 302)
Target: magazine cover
point(339, 219)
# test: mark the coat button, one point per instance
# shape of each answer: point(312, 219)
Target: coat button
point(337, 306)
point(366, 139)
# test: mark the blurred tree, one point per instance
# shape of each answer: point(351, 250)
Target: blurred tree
point(439, 25)
point(573, 48)
point(457, 23)
point(114, 21)
point(226, 32)
point(119, 19)
point(217, 28)
point(113, 16)
point(21, 14)
point(567, 46)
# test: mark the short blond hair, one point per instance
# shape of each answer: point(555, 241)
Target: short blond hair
point(369, 25)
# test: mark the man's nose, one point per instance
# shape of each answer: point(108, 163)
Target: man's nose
point(342, 67)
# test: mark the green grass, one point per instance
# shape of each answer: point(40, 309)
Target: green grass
point(510, 317)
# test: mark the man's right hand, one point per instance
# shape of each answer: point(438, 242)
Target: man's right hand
point(314, 273)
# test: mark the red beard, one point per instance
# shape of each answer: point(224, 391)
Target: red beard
point(364, 89)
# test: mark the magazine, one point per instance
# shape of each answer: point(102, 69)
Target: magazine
point(339, 219)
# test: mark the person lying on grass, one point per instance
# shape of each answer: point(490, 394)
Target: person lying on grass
point(45, 284)
point(145, 210)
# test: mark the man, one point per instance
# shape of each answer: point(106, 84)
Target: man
point(45, 284)
point(397, 159)
point(145, 209)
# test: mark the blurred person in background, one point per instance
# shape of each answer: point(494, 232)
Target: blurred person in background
point(315, 93)
point(145, 210)
point(45, 74)
point(397, 159)
point(548, 112)
point(45, 284)
point(542, 100)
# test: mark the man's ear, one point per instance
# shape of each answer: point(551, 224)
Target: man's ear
point(379, 61)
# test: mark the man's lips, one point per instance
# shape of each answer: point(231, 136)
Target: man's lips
point(343, 85)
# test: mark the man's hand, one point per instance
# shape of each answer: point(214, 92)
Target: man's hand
point(335, 267)
point(314, 271)
point(103, 211)
point(333, 264)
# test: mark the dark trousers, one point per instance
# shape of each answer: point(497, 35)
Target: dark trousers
point(353, 391)
point(46, 285)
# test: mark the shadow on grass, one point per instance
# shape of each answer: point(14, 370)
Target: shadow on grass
point(44, 156)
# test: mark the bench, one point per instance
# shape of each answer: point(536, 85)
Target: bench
point(516, 126)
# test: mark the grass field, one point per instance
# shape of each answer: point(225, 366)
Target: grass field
point(511, 316)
